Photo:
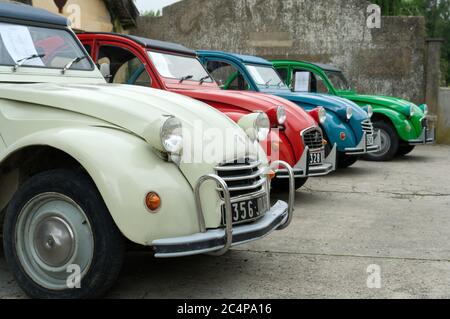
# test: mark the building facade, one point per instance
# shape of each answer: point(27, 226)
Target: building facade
point(93, 15)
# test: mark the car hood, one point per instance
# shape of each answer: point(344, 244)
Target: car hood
point(133, 109)
point(249, 102)
point(397, 104)
point(331, 103)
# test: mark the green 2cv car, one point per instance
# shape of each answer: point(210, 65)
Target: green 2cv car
point(401, 124)
point(87, 167)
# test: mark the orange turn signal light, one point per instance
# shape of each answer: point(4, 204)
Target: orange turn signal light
point(271, 175)
point(152, 201)
point(325, 143)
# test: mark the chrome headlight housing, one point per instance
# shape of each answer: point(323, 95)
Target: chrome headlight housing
point(172, 135)
point(425, 109)
point(322, 114)
point(281, 115)
point(349, 113)
point(256, 125)
point(370, 111)
point(165, 135)
point(412, 110)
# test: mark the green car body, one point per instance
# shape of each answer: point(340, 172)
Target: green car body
point(407, 120)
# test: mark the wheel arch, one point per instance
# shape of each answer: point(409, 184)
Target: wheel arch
point(27, 161)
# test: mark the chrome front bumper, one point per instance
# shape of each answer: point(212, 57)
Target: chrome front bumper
point(304, 170)
point(363, 148)
point(427, 137)
point(218, 241)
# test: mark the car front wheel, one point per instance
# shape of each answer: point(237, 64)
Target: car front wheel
point(405, 150)
point(59, 238)
point(389, 143)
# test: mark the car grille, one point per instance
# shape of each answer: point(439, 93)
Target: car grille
point(367, 127)
point(243, 177)
point(313, 138)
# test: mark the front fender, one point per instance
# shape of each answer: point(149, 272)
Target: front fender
point(125, 169)
point(334, 127)
point(404, 127)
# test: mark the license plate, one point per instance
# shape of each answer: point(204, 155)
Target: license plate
point(315, 158)
point(370, 140)
point(246, 210)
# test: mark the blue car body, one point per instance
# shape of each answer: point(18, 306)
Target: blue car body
point(336, 124)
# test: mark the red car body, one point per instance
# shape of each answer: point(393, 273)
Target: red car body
point(235, 104)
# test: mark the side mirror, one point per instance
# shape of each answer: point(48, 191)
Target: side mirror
point(105, 70)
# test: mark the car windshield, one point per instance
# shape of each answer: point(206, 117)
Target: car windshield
point(338, 80)
point(29, 46)
point(265, 77)
point(179, 67)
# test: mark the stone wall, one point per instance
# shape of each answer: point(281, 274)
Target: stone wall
point(387, 61)
point(444, 116)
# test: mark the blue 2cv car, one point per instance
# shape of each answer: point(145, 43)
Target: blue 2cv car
point(344, 123)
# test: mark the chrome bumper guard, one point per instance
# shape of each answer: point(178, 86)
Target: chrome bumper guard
point(427, 137)
point(303, 169)
point(217, 242)
point(362, 148)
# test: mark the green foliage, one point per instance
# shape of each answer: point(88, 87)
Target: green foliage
point(152, 13)
point(437, 15)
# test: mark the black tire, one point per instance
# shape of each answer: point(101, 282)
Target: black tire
point(405, 149)
point(390, 143)
point(282, 185)
point(108, 244)
point(345, 161)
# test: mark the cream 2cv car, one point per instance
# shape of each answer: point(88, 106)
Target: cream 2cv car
point(86, 167)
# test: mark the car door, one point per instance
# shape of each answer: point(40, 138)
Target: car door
point(227, 75)
point(121, 64)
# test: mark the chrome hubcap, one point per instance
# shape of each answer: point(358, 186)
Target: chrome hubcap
point(53, 233)
point(385, 143)
point(54, 241)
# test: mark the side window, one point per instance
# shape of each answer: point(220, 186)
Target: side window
point(283, 74)
point(227, 75)
point(121, 66)
point(88, 48)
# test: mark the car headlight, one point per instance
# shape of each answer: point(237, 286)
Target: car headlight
point(281, 115)
point(425, 109)
point(370, 111)
point(165, 135)
point(172, 135)
point(411, 110)
point(322, 114)
point(256, 125)
point(349, 113)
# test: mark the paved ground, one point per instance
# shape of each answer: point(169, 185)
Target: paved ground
point(394, 215)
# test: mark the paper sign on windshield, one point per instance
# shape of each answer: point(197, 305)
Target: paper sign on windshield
point(302, 81)
point(19, 43)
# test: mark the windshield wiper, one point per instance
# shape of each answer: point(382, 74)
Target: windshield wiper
point(71, 63)
point(280, 84)
point(187, 77)
point(20, 62)
point(203, 79)
point(268, 82)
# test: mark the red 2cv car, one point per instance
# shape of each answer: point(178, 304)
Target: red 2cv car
point(295, 137)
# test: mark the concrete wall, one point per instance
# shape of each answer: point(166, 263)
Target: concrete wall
point(444, 116)
point(388, 61)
